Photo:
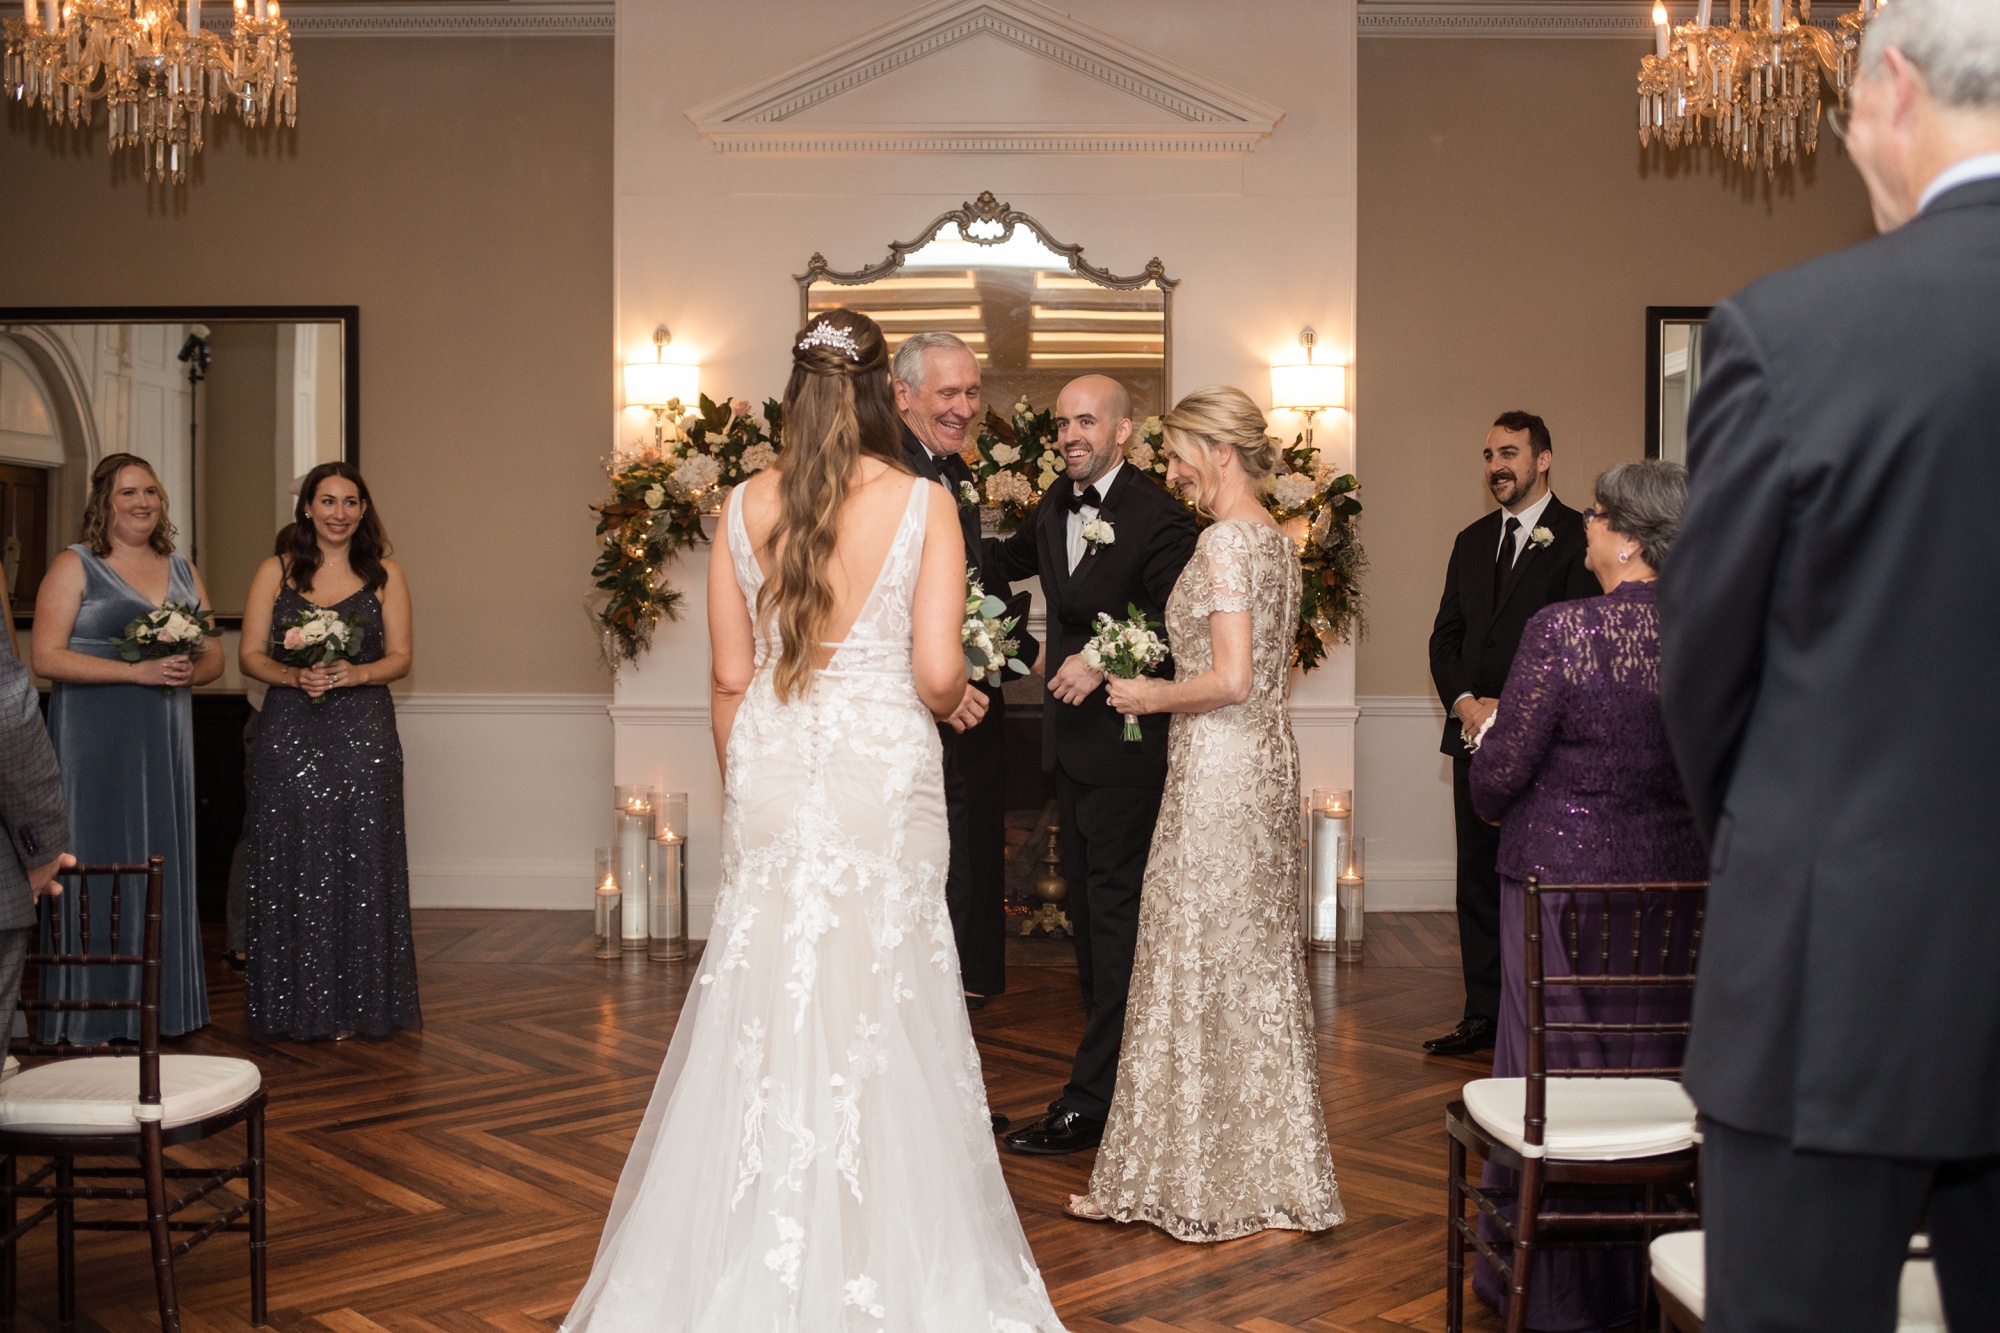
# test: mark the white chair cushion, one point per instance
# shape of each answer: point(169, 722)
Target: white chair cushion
point(98, 1094)
point(1589, 1119)
point(12, 1067)
point(1679, 1267)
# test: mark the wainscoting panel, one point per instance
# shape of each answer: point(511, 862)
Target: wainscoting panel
point(507, 796)
point(1402, 804)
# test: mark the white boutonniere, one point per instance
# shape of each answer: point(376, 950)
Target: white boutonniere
point(968, 495)
point(1541, 537)
point(1098, 532)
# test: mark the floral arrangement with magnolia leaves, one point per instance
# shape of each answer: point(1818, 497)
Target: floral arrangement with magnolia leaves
point(660, 492)
point(1018, 460)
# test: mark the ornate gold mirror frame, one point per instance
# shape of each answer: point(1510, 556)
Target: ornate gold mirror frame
point(988, 222)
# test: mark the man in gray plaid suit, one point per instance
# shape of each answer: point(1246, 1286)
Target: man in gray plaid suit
point(35, 821)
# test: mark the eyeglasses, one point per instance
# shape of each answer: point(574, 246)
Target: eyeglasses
point(1836, 120)
point(1595, 512)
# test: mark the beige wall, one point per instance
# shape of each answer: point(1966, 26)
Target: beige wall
point(1511, 236)
point(459, 192)
point(241, 408)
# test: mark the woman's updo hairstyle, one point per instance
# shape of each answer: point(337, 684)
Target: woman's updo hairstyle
point(1643, 500)
point(1219, 417)
point(838, 407)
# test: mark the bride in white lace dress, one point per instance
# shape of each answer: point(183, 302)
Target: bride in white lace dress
point(818, 1155)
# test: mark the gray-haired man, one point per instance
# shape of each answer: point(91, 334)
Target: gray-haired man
point(938, 396)
point(36, 824)
point(1828, 640)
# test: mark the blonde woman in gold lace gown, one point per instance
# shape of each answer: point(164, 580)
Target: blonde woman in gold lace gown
point(1216, 1129)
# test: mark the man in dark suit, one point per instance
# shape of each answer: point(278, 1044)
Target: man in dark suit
point(1107, 790)
point(937, 395)
point(35, 821)
point(1510, 564)
point(1829, 639)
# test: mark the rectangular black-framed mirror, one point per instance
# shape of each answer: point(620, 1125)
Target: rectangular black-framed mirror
point(231, 405)
point(1673, 375)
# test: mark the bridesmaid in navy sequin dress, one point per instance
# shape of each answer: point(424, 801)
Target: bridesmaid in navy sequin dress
point(1577, 773)
point(125, 747)
point(328, 935)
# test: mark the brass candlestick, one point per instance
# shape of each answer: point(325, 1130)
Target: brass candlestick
point(1051, 888)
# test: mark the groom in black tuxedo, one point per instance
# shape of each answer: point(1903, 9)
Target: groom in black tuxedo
point(937, 395)
point(1107, 790)
point(1510, 564)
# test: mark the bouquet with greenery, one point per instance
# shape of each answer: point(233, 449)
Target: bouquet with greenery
point(175, 630)
point(988, 635)
point(1126, 649)
point(319, 636)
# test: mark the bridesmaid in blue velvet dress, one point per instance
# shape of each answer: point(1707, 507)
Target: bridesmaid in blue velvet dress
point(126, 749)
point(328, 930)
point(1577, 773)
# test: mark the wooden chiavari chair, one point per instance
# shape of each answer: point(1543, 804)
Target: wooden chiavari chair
point(1583, 1133)
point(1680, 1278)
point(104, 1101)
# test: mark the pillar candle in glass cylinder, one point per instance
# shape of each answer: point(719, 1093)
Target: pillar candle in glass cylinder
point(1353, 900)
point(610, 919)
point(666, 900)
point(1331, 822)
point(632, 829)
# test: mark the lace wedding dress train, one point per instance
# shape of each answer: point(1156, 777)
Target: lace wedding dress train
point(818, 1156)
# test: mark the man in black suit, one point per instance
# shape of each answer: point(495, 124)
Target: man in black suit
point(1829, 639)
point(1510, 564)
point(33, 818)
point(1107, 790)
point(937, 394)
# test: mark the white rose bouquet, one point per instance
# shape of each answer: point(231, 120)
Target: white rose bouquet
point(319, 636)
point(1126, 649)
point(989, 645)
point(175, 630)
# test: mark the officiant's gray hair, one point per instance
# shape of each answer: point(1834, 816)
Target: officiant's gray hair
point(1955, 43)
point(1643, 501)
point(909, 363)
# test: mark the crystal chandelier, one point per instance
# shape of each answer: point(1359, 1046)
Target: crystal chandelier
point(1752, 88)
point(157, 76)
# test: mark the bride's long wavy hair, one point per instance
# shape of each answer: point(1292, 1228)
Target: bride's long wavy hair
point(838, 408)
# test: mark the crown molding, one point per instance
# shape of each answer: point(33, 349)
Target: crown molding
point(1603, 19)
point(479, 18)
point(1213, 118)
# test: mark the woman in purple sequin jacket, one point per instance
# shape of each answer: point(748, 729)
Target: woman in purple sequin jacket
point(1577, 773)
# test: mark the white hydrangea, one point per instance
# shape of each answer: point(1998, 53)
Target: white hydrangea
point(1008, 488)
point(758, 457)
point(697, 474)
point(1293, 489)
point(1006, 455)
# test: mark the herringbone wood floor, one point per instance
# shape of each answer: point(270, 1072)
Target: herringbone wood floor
point(456, 1180)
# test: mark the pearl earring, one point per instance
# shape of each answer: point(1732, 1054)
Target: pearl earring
point(1623, 556)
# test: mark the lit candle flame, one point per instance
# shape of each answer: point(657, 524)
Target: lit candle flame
point(1659, 14)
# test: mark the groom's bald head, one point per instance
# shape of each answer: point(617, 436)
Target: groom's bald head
point(1093, 422)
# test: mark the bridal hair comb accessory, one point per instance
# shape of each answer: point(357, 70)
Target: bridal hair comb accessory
point(831, 335)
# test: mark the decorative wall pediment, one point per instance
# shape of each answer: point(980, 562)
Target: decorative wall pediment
point(1005, 76)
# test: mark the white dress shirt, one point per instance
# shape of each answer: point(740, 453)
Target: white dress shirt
point(1984, 167)
point(1528, 517)
point(1079, 517)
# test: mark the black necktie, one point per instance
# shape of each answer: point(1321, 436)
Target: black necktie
point(1078, 499)
point(1505, 560)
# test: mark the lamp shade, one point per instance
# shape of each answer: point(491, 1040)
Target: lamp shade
point(657, 383)
point(1313, 386)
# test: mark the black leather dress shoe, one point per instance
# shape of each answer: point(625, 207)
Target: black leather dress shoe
point(999, 1122)
point(974, 1003)
point(1471, 1034)
point(1056, 1134)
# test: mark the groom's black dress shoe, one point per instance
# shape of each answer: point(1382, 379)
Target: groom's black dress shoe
point(1057, 1133)
point(1472, 1034)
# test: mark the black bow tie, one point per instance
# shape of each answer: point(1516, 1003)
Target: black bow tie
point(1076, 499)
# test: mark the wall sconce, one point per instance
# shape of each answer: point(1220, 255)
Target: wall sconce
point(1316, 386)
point(660, 384)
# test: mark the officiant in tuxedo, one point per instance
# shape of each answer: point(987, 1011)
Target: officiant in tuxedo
point(1107, 789)
point(937, 387)
point(1516, 560)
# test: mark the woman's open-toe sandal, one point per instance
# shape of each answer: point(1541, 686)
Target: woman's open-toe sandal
point(1083, 1210)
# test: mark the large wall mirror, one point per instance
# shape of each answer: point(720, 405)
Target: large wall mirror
point(1032, 309)
point(231, 406)
point(1673, 375)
